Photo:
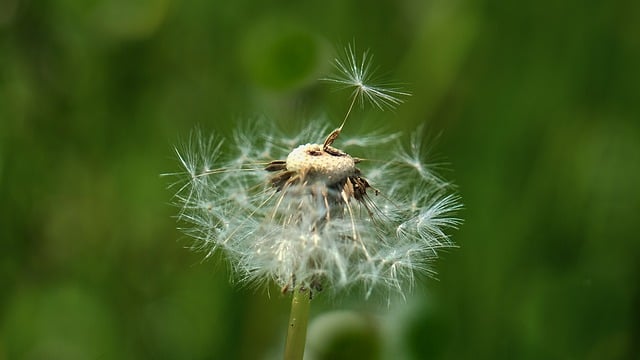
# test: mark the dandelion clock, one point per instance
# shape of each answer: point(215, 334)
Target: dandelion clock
point(307, 214)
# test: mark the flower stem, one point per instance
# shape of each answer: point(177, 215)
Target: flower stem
point(297, 333)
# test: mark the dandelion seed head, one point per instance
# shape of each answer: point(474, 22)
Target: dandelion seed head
point(314, 218)
point(293, 211)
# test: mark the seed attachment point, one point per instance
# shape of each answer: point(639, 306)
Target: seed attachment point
point(321, 163)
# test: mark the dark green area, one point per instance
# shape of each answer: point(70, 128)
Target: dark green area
point(536, 104)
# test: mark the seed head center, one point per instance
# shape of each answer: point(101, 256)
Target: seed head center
point(313, 161)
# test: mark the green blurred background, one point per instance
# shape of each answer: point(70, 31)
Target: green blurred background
point(536, 104)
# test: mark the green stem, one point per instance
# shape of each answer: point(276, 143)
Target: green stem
point(297, 333)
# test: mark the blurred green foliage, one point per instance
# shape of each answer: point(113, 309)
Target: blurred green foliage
point(536, 104)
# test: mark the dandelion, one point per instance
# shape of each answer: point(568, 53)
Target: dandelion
point(308, 216)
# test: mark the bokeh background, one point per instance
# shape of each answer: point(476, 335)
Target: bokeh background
point(534, 104)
